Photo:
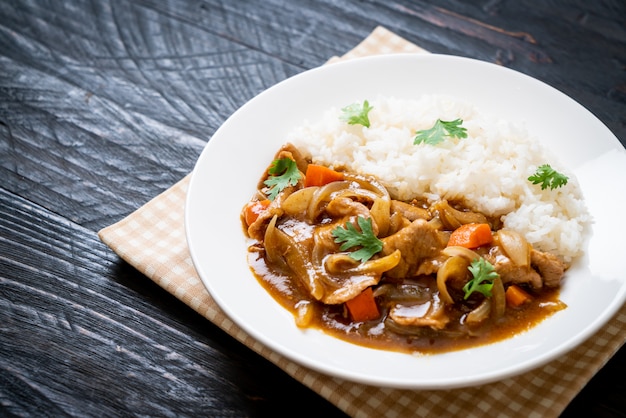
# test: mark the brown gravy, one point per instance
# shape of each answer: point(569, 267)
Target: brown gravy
point(333, 320)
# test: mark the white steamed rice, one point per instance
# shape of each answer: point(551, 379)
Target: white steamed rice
point(488, 169)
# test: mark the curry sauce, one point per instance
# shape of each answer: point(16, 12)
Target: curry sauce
point(421, 276)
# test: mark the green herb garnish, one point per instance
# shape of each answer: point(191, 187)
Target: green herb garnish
point(283, 173)
point(483, 275)
point(357, 114)
point(365, 238)
point(548, 177)
point(440, 131)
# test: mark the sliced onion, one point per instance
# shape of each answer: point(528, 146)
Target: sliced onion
point(342, 263)
point(304, 313)
point(298, 202)
point(514, 246)
point(436, 223)
point(448, 220)
point(380, 212)
point(480, 313)
point(344, 279)
point(368, 183)
point(453, 218)
point(362, 195)
point(339, 263)
point(498, 301)
point(493, 306)
point(453, 267)
point(459, 251)
point(274, 244)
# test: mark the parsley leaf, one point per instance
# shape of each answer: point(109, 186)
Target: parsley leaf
point(283, 172)
point(357, 114)
point(365, 238)
point(548, 177)
point(483, 274)
point(440, 131)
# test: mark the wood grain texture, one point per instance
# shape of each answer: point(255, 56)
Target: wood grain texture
point(105, 104)
point(84, 334)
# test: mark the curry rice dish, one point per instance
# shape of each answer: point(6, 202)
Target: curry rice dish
point(415, 226)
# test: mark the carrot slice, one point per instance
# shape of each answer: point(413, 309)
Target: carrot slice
point(363, 306)
point(516, 296)
point(254, 209)
point(471, 236)
point(319, 175)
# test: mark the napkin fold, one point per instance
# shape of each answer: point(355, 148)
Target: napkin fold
point(152, 239)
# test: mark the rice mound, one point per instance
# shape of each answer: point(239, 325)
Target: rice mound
point(488, 170)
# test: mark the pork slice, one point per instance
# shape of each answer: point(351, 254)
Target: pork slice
point(417, 242)
point(549, 266)
point(256, 230)
point(431, 314)
point(345, 207)
point(545, 269)
point(511, 273)
point(409, 211)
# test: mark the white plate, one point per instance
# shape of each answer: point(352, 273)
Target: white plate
point(228, 169)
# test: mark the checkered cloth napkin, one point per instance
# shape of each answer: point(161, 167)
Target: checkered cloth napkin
point(152, 239)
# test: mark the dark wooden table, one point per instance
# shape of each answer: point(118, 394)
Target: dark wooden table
point(105, 104)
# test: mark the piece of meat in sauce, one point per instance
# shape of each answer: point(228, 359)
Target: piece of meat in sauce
point(431, 314)
point(549, 266)
point(417, 242)
point(409, 211)
point(545, 269)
